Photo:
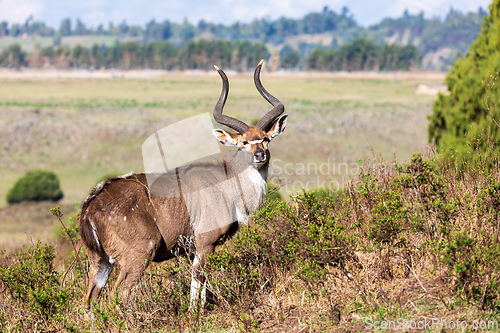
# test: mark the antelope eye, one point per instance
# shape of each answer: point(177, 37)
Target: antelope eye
point(245, 142)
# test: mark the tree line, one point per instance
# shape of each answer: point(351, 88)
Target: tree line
point(260, 29)
point(457, 30)
point(202, 54)
point(361, 54)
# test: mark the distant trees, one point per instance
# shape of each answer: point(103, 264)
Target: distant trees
point(456, 31)
point(202, 54)
point(13, 57)
point(80, 28)
point(158, 32)
point(65, 27)
point(289, 58)
point(363, 54)
point(187, 46)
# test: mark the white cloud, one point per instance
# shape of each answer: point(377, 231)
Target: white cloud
point(94, 17)
point(17, 11)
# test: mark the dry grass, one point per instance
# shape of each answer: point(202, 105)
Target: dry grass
point(23, 224)
point(84, 128)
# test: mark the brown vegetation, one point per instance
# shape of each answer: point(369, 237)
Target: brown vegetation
point(411, 241)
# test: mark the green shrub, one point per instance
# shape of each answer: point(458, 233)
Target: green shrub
point(38, 185)
point(301, 238)
point(32, 280)
point(462, 115)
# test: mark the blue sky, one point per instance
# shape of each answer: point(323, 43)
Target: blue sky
point(94, 12)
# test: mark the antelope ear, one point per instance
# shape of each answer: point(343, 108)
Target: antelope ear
point(278, 127)
point(227, 138)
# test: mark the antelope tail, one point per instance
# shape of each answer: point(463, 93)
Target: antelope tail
point(88, 233)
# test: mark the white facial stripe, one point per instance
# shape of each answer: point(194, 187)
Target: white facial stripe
point(255, 142)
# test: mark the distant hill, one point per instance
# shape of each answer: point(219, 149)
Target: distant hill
point(439, 41)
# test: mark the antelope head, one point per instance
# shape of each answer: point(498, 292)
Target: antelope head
point(252, 139)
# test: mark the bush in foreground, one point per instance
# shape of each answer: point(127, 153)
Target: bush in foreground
point(400, 241)
point(38, 185)
point(31, 282)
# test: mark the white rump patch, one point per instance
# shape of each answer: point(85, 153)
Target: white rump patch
point(242, 218)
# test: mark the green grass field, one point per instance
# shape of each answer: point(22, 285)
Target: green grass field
point(83, 129)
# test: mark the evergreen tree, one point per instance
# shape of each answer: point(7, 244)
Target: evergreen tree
point(80, 28)
point(460, 118)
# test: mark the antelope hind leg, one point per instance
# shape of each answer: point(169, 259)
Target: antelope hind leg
point(99, 270)
point(198, 280)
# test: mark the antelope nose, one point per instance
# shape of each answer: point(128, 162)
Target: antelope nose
point(259, 156)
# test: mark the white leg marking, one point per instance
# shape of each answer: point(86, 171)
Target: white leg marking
point(197, 290)
point(204, 294)
point(103, 274)
point(194, 293)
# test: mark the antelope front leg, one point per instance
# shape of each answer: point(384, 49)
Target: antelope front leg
point(198, 279)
